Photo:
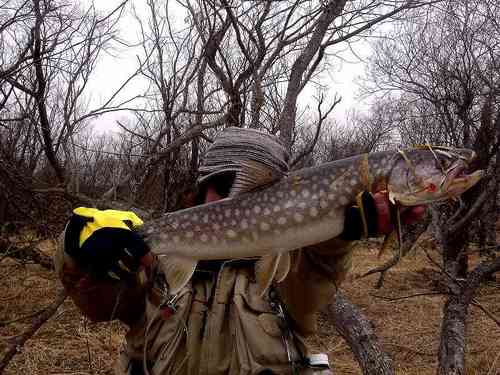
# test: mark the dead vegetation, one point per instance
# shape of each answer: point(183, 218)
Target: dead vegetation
point(408, 327)
point(442, 59)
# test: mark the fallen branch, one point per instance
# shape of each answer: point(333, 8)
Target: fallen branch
point(353, 326)
point(71, 197)
point(383, 269)
point(393, 299)
point(11, 250)
point(411, 236)
point(16, 343)
point(21, 318)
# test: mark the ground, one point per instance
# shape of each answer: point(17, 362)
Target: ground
point(407, 328)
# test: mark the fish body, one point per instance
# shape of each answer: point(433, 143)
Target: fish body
point(303, 208)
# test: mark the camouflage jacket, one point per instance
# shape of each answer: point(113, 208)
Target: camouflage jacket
point(217, 324)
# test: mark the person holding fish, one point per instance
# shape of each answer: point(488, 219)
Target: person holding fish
point(233, 284)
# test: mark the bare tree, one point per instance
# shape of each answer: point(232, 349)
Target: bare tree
point(237, 64)
point(232, 63)
point(443, 77)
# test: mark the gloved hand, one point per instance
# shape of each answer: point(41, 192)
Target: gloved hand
point(372, 217)
point(385, 221)
point(103, 243)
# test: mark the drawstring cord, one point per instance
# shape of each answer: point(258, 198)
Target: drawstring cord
point(287, 333)
point(170, 301)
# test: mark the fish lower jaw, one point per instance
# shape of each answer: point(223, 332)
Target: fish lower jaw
point(459, 185)
point(410, 201)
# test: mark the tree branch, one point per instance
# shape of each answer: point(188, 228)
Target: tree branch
point(17, 342)
point(353, 326)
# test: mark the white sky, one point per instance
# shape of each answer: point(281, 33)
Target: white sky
point(112, 71)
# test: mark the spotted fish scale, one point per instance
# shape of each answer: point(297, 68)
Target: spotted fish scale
point(287, 208)
point(303, 208)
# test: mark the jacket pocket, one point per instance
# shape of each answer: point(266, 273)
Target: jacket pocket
point(258, 334)
point(167, 334)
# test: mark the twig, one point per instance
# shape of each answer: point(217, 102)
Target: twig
point(383, 268)
point(17, 342)
point(410, 349)
point(492, 247)
point(30, 252)
point(81, 198)
point(89, 355)
point(442, 269)
point(472, 212)
point(488, 313)
point(10, 298)
point(6, 252)
point(321, 119)
point(387, 298)
point(6, 322)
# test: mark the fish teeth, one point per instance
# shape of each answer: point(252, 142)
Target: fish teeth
point(392, 198)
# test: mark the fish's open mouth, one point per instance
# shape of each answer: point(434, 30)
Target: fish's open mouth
point(459, 180)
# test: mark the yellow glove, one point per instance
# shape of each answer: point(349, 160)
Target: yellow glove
point(104, 242)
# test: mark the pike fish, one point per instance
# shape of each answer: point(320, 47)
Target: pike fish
point(302, 208)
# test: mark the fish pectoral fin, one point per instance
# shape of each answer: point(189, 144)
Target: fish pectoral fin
point(252, 175)
point(178, 271)
point(265, 269)
point(270, 268)
point(283, 268)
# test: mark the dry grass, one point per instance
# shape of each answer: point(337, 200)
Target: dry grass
point(408, 328)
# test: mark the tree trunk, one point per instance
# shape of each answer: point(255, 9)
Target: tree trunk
point(452, 346)
point(496, 190)
point(40, 97)
point(286, 122)
point(353, 326)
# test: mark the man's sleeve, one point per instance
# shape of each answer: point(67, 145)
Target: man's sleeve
point(99, 300)
point(317, 271)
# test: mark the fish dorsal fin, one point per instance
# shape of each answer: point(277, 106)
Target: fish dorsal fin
point(253, 174)
point(177, 271)
point(269, 268)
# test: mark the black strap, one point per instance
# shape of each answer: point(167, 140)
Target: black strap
point(353, 224)
point(287, 327)
point(72, 233)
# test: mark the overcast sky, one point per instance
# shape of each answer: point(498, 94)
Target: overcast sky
point(114, 69)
